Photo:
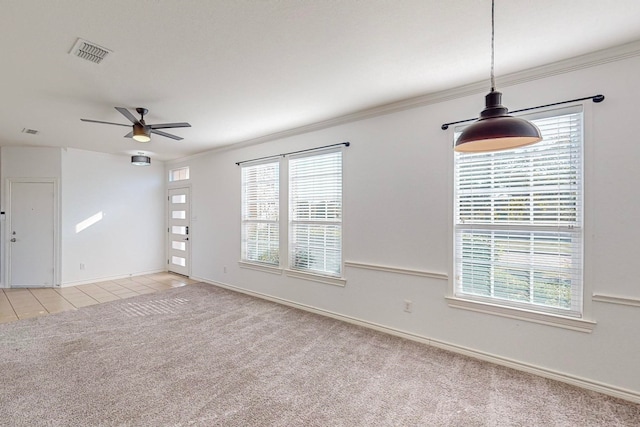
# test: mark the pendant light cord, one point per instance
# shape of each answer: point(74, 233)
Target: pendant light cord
point(493, 25)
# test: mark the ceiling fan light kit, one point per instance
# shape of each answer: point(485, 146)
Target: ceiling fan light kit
point(495, 130)
point(140, 134)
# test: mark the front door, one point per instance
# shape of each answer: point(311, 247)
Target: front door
point(179, 222)
point(31, 234)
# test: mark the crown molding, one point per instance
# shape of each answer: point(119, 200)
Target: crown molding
point(581, 62)
point(605, 56)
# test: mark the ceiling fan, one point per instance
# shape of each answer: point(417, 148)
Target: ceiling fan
point(141, 131)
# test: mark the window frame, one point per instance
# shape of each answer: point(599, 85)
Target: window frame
point(529, 312)
point(325, 223)
point(247, 221)
point(175, 174)
point(285, 230)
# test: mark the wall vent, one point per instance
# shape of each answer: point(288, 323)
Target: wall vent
point(30, 131)
point(89, 51)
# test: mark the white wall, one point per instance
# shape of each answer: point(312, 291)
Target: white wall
point(31, 162)
point(23, 162)
point(129, 239)
point(397, 212)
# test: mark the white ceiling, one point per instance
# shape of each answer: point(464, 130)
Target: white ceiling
point(242, 69)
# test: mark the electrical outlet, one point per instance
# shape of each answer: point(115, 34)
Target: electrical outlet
point(81, 266)
point(408, 306)
point(224, 269)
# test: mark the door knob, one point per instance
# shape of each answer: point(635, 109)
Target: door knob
point(13, 239)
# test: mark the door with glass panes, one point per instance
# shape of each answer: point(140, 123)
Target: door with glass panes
point(179, 222)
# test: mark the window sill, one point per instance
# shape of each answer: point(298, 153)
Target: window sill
point(571, 323)
point(260, 267)
point(335, 281)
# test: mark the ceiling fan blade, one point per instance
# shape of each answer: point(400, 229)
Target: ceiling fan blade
point(168, 135)
point(129, 135)
point(170, 125)
point(105, 123)
point(127, 114)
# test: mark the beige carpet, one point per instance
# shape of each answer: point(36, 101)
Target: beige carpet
point(205, 356)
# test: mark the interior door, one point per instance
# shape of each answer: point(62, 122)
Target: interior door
point(179, 223)
point(31, 234)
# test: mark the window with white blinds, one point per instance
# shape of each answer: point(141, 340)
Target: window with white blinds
point(179, 174)
point(518, 221)
point(315, 213)
point(260, 213)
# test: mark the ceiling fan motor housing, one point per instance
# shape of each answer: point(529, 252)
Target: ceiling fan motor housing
point(142, 112)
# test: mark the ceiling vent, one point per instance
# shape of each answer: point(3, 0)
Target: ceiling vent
point(30, 131)
point(89, 51)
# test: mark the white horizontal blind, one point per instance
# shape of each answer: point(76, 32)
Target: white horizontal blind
point(260, 213)
point(518, 221)
point(315, 213)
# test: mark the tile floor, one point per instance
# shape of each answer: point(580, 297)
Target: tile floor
point(23, 303)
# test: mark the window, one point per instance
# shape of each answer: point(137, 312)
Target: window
point(260, 213)
point(312, 243)
point(179, 174)
point(315, 213)
point(518, 221)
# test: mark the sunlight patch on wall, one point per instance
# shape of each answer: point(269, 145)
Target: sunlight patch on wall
point(82, 225)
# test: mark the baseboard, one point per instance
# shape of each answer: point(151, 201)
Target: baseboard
point(106, 279)
point(542, 372)
point(587, 384)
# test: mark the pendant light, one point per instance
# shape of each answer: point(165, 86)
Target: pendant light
point(495, 130)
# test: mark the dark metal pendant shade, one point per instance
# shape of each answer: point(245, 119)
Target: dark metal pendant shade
point(140, 160)
point(495, 130)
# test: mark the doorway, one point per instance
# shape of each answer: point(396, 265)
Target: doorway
point(31, 233)
point(179, 249)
